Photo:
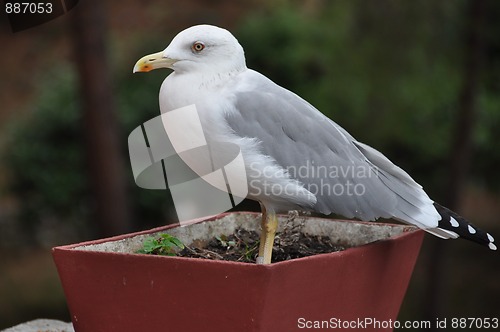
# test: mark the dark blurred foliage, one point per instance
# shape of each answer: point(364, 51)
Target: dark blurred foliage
point(44, 159)
point(46, 162)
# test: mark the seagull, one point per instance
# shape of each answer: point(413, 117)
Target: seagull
point(295, 157)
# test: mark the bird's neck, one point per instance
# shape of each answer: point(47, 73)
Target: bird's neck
point(186, 88)
point(211, 77)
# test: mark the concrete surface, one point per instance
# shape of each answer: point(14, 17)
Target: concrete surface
point(42, 325)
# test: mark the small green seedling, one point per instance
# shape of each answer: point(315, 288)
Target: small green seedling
point(162, 244)
point(223, 240)
point(249, 252)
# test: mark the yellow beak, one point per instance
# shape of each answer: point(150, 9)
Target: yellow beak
point(153, 61)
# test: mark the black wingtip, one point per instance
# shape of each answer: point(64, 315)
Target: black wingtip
point(453, 222)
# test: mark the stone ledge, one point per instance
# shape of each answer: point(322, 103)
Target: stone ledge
point(42, 325)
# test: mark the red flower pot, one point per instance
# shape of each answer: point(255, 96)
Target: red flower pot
point(108, 288)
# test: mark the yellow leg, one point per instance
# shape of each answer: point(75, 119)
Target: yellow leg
point(269, 226)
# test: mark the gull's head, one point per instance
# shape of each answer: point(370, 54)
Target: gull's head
point(201, 48)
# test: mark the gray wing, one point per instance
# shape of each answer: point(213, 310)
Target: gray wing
point(348, 177)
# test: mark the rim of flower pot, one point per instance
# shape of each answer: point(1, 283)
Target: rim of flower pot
point(406, 231)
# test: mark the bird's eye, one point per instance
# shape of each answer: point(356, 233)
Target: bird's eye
point(198, 46)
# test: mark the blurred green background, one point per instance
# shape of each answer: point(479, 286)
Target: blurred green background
point(418, 80)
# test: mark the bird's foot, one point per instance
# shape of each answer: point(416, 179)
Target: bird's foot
point(269, 227)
